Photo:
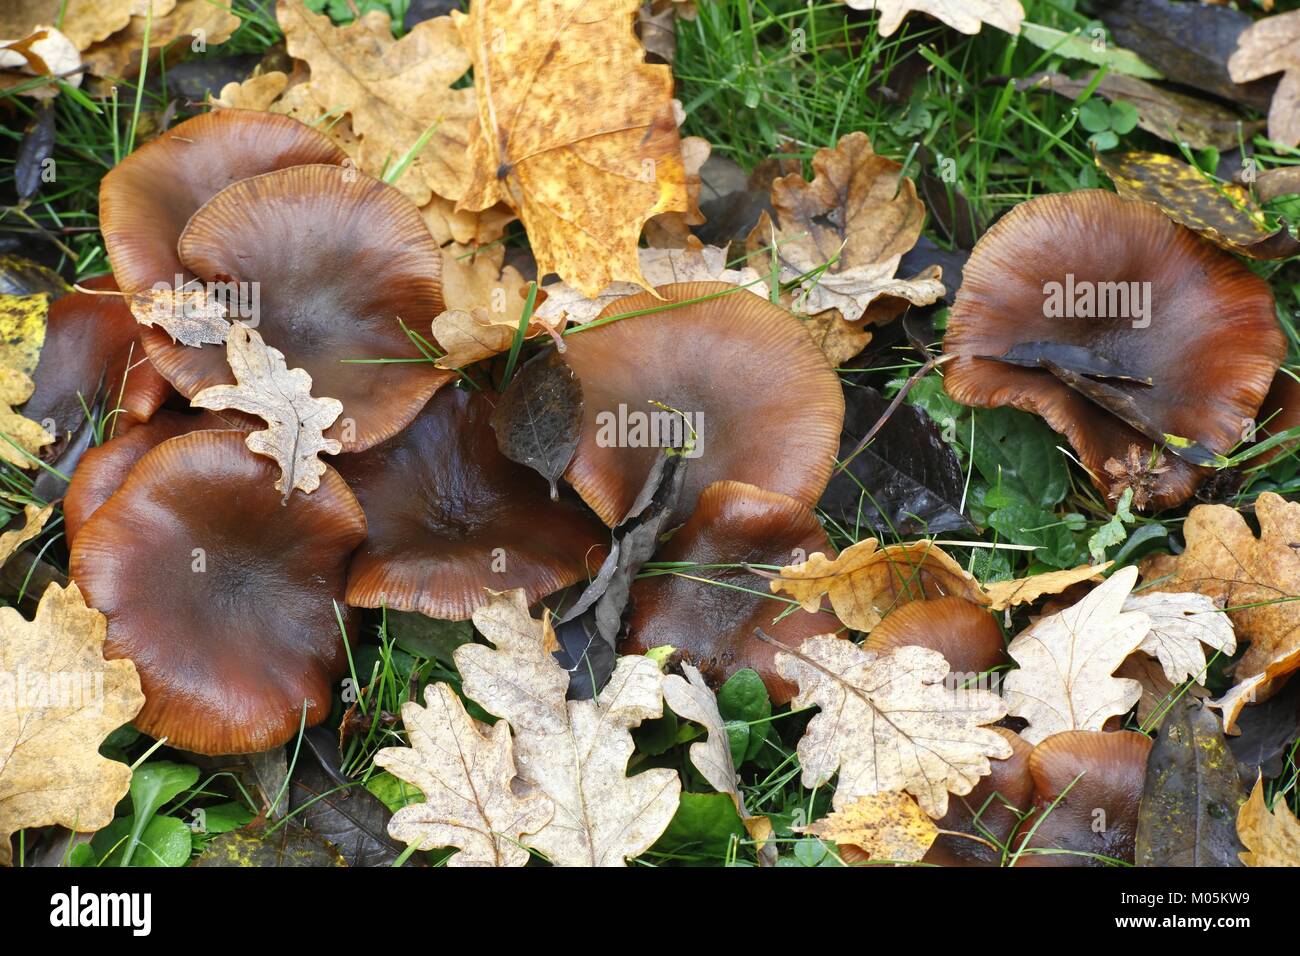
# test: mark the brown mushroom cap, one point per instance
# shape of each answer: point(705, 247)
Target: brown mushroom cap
point(964, 633)
point(772, 407)
point(713, 624)
point(102, 469)
point(1280, 411)
point(340, 261)
point(92, 342)
point(227, 649)
point(1098, 816)
point(991, 811)
point(1210, 350)
point(450, 516)
point(146, 200)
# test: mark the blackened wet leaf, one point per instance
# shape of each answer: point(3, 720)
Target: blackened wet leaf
point(1268, 731)
point(1075, 358)
point(270, 772)
point(22, 276)
point(589, 631)
point(288, 845)
point(1188, 814)
point(538, 419)
point(907, 481)
point(337, 809)
point(1189, 43)
point(36, 147)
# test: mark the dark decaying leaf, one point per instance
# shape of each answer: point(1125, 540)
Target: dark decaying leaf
point(589, 630)
point(23, 276)
point(1189, 43)
point(36, 147)
point(538, 419)
point(269, 773)
point(342, 811)
point(1128, 409)
point(1188, 815)
point(288, 845)
point(1075, 358)
point(907, 481)
point(193, 80)
point(1268, 731)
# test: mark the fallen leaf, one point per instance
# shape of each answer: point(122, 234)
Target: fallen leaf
point(888, 827)
point(694, 262)
point(468, 781)
point(1180, 624)
point(538, 419)
point(965, 16)
point(289, 845)
point(1272, 838)
point(190, 316)
point(574, 752)
point(576, 132)
point(1224, 213)
point(888, 722)
point(60, 700)
point(485, 302)
point(673, 229)
point(865, 581)
point(282, 397)
point(43, 52)
point(34, 517)
point(1158, 692)
point(120, 54)
point(15, 430)
point(1067, 661)
point(1008, 594)
point(1283, 181)
point(22, 329)
point(1272, 45)
point(83, 21)
point(838, 339)
point(257, 92)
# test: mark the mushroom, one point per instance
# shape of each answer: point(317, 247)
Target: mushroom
point(1280, 411)
point(991, 811)
point(102, 469)
point(92, 346)
point(766, 406)
point(451, 517)
point(1166, 308)
point(222, 594)
point(964, 633)
point(146, 200)
point(710, 610)
point(1095, 780)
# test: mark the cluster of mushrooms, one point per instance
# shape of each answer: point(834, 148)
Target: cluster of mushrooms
point(235, 603)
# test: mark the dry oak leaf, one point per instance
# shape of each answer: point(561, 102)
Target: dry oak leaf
point(576, 132)
point(573, 751)
point(866, 582)
point(1180, 624)
point(889, 722)
point(861, 215)
point(282, 397)
point(21, 439)
point(1272, 45)
point(1256, 579)
point(1008, 594)
point(1068, 659)
point(84, 21)
point(1270, 838)
point(187, 20)
point(190, 316)
point(839, 340)
point(965, 16)
point(43, 52)
point(59, 699)
point(886, 827)
point(395, 92)
point(34, 517)
point(484, 305)
point(472, 798)
point(1248, 690)
point(257, 92)
point(694, 262)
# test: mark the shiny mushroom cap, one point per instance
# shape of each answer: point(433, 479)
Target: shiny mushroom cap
point(1280, 412)
point(1206, 336)
point(337, 262)
point(146, 200)
point(964, 633)
point(221, 593)
point(709, 613)
point(765, 404)
point(92, 346)
point(1098, 814)
point(451, 517)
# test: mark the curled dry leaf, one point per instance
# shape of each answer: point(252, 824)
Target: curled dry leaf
point(694, 262)
point(575, 752)
point(59, 699)
point(83, 22)
point(190, 316)
point(34, 517)
point(21, 439)
point(1008, 594)
point(472, 799)
point(966, 16)
point(257, 92)
point(43, 52)
point(296, 421)
point(1067, 661)
point(862, 213)
point(1272, 838)
point(889, 722)
point(884, 826)
point(484, 305)
point(584, 155)
point(1180, 624)
point(1272, 45)
point(120, 54)
point(865, 581)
